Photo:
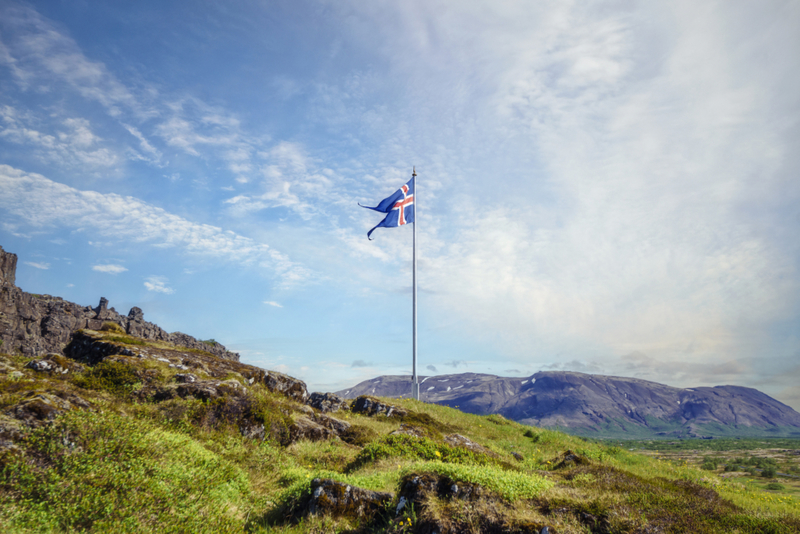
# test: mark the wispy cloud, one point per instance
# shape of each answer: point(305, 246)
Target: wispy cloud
point(273, 303)
point(69, 143)
point(40, 203)
point(158, 284)
point(38, 265)
point(109, 268)
point(40, 55)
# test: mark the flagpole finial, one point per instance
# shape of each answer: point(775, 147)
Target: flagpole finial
point(414, 171)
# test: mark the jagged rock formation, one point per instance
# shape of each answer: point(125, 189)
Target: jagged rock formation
point(604, 406)
point(39, 324)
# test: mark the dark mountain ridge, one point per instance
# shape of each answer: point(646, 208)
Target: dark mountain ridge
point(601, 406)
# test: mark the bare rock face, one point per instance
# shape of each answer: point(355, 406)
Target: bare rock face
point(337, 499)
point(38, 324)
point(8, 268)
point(327, 402)
point(372, 406)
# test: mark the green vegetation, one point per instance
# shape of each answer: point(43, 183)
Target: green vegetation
point(112, 327)
point(132, 463)
point(114, 377)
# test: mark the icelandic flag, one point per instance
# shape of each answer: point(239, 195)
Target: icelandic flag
point(399, 208)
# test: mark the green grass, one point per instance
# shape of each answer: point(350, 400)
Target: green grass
point(105, 472)
point(134, 465)
point(511, 485)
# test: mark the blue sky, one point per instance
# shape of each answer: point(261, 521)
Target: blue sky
point(609, 188)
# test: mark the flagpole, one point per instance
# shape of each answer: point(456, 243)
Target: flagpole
point(415, 383)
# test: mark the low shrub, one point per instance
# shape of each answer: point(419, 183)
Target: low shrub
point(404, 446)
point(114, 377)
point(105, 472)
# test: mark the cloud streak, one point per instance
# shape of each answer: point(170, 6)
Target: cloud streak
point(44, 204)
point(109, 268)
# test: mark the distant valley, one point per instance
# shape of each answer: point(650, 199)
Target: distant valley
point(601, 406)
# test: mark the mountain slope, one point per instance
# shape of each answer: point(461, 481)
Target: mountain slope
point(603, 406)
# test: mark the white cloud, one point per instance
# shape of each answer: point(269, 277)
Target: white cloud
point(37, 265)
point(70, 142)
point(38, 54)
point(273, 303)
point(158, 284)
point(40, 203)
point(109, 268)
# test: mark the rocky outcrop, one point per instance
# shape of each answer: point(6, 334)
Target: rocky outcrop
point(327, 402)
point(201, 389)
point(338, 499)
point(372, 406)
point(39, 324)
point(8, 268)
point(38, 408)
point(602, 406)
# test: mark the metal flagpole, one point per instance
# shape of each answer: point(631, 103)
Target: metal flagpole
point(415, 383)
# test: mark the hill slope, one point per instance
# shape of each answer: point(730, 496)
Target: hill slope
point(602, 406)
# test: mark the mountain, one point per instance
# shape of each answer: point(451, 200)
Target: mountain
point(601, 406)
point(125, 429)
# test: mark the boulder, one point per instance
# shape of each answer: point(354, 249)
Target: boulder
point(185, 378)
point(371, 406)
point(281, 383)
point(337, 499)
point(38, 408)
point(305, 428)
point(338, 426)
point(201, 389)
point(569, 459)
point(327, 402)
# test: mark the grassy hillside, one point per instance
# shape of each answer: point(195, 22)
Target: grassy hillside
point(105, 453)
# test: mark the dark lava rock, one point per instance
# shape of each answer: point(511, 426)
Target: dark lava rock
point(329, 497)
point(327, 402)
point(278, 383)
point(415, 488)
point(185, 378)
point(338, 426)
point(201, 389)
point(371, 406)
point(570, 459)
point(38, 408)
point(308, 429)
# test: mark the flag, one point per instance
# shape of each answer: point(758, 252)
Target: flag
point(399, 208)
